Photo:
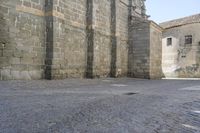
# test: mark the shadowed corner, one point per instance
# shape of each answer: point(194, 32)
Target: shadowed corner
point(49, 40)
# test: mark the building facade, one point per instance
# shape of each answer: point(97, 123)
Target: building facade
point(146, 39)
point(57, 39)
point(181, 48)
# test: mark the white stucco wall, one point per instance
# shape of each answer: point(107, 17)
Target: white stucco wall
point(179, 59)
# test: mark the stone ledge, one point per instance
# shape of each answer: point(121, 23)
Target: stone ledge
point(38, 12)
point(30, 10)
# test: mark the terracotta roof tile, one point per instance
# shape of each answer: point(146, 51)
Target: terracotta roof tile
point(181, 21)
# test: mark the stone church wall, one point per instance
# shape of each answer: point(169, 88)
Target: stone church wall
point(122, 36)
point(22, 39)
point(57, 39)
point(66, 39)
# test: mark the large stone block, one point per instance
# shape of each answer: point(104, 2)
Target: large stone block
point(147, 50)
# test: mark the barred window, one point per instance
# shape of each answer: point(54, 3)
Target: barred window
point(169, 41)
point(188, 39)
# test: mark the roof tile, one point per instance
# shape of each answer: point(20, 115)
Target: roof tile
point(181, 21)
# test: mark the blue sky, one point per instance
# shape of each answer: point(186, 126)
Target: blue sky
point(164, 10)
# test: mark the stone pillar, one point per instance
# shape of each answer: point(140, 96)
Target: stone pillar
point(49, 39)
point(147, 49)
point(90, 39)
point(113, 39)
point(55, 40)
point(130, 40)
point(99, 38)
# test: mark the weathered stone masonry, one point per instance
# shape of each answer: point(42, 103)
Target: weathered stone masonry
point(56, 39)
point(22, 39)
point(147, 49)
point(181, 59)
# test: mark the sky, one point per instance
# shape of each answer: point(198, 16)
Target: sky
point(165, 10)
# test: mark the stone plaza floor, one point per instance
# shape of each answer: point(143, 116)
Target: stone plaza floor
point(100, 106)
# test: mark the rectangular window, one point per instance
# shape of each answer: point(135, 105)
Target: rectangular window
point(169, 41)
point(188, 39)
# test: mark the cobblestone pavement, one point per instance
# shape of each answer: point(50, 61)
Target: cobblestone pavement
point(100, 106)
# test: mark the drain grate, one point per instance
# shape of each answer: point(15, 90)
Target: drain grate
point(130, 93)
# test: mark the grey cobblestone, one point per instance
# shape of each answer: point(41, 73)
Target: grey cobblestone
point(100, 106)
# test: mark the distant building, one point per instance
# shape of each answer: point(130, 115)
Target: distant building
point(181, 47)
